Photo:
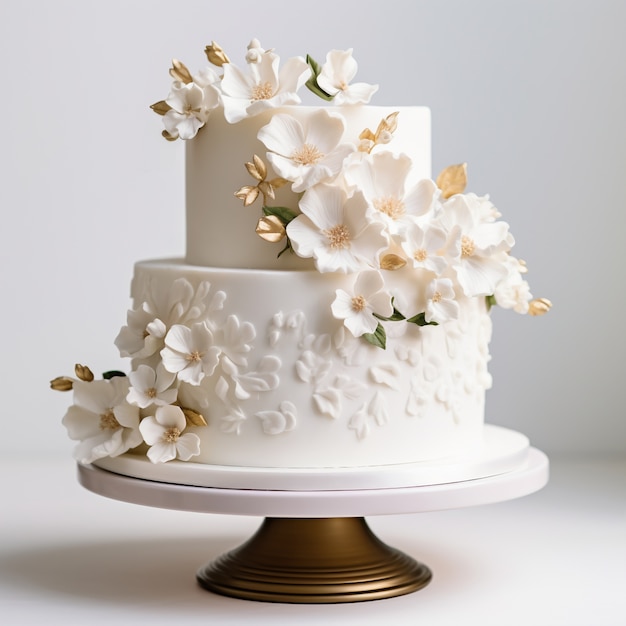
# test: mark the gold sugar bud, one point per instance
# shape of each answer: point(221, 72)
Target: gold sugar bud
point(61, 383)
point(83, 373)
point(539, 306)
point(161, 107)
point(216, 54)
point(271, 229)
point(179, 71)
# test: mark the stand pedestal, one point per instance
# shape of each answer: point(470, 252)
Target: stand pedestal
point(315, 546)
point(314, 561)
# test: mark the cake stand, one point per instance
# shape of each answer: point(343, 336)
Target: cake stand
point(315, 546)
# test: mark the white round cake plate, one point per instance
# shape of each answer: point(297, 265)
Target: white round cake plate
point(315, 546)
point(500, 451)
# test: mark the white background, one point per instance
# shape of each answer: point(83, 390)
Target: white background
point(530, 93)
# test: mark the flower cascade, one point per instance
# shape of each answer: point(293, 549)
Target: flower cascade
point(359, 210)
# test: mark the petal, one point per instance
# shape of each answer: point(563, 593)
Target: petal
point(293, 74)
point(324, 130)
point(358, 93)
point(305, 237)
point(236, 83)
point(342, 305)
point(187, 446)
point(178, 339)
point(368, 283)
point(283, 135)
point(80, 423)
point(421, 197)
point(151, 430)
point(162, 452)
point(171, 417)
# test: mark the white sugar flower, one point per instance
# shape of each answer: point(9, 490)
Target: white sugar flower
point(382, 178)
point(340, 68)
point(148, 324)
point(513, 292)
point(441, 307)
point(306, 152)
point(264, 86)
point(149, 387)
point(335, 231)
point(189, 352)
point(143, 334)
point(102, 420)
point(191, 106)
point(422, 246)
point(357, 309)
point(475, 246)
point(164, 434)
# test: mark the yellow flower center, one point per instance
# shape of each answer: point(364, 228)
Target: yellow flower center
point(338, 237)
point(436, 297)
point(171, 435)
point(308, 154)
point(108, 421)
point(467, 246)
point(420, 255)
point(358, 304)
point(151, 392)
point(194, 357)
point(262, 91)
point(390, 206)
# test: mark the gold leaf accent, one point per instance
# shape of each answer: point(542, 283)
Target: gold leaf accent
point(368, 135)
point(179, 71)
point(161, 107)
point(389, 124)
point(83, 372)
point(277, 183)
point(523, 268)
point(392, 262)
point(539, 306)
point(270, 228)
point(216, 54)
point(248, 194)
point(193, 417)
point(257, 168)
point(452, 180)
point(266, 189)
point(61, 383)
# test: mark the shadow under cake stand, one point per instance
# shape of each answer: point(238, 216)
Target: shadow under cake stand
point(314, 545)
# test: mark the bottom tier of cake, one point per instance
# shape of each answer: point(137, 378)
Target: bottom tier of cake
point(281, 383)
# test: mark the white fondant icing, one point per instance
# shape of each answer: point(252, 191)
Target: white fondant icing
point(320, 397)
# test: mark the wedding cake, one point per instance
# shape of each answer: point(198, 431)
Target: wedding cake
point(332, 309)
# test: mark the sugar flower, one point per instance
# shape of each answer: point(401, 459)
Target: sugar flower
point(189, 352)
point(163, 432)
point(513, 292)
point(191, 106)
point(475, 246)
point(422, 246)
point(335, 231)
point(340, 68)
point(264, 86)
point(308, 152)
point(148, 324)
point(357, 309)
point(441, 306)
point(102, 420)
point(382, 178)
point(151, 387)
point(143, 334)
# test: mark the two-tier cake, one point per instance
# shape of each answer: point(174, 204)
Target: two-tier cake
point(332, 309)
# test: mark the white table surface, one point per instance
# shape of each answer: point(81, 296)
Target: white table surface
point(557, 557)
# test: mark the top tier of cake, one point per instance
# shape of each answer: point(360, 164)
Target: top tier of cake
point(220, 231)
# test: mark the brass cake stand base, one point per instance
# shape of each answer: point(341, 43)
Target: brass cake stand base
point(314, 561)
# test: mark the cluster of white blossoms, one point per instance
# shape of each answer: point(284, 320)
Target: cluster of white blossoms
point(262, 85)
